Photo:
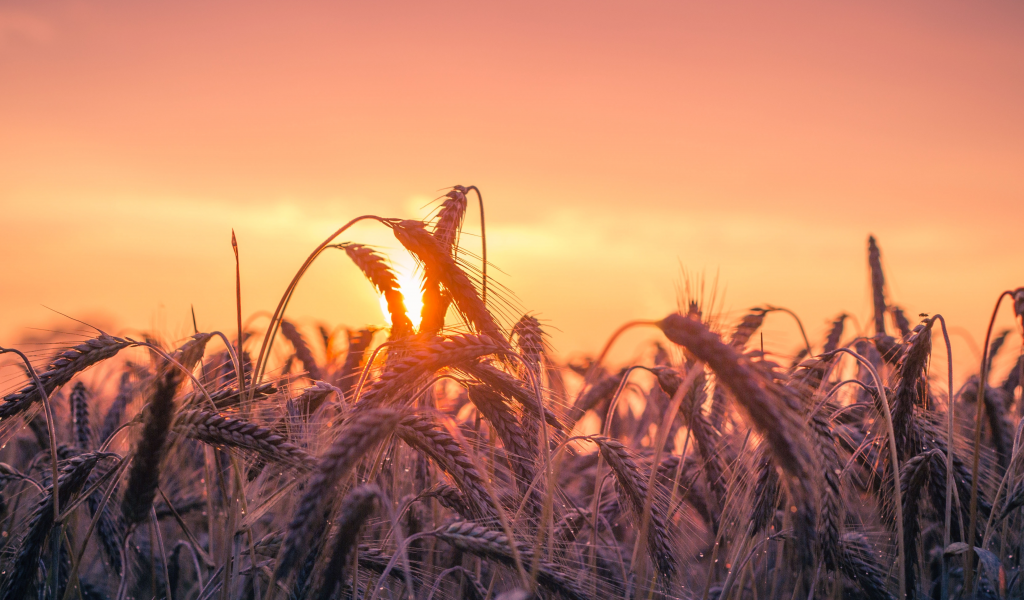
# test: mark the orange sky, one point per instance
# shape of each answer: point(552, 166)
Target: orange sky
point(614, 143)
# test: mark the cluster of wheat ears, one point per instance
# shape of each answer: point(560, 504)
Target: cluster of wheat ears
point(452, 459)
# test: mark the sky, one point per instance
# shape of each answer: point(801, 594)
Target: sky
point(618, 146)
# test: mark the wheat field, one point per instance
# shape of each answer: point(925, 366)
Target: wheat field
point(453, 455)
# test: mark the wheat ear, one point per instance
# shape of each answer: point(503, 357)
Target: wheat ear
point(358, 435)
point(144, 473)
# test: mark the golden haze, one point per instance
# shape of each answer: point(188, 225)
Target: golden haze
point(613, 144)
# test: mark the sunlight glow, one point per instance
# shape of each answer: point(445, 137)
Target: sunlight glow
point(410, 283)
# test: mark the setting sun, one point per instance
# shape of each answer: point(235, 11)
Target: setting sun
point(410, 283)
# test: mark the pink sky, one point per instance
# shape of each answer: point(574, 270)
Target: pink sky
point(614, 144)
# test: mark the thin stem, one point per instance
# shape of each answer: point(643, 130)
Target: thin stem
point(238, 314)
point(278, 316)
point(83, 496)
point(483, 241)
point(897, 496)
point(236, 358)
point(666, 424)
point(799, 324)
point(77, 558)
point(394, 559)
point(979, 415)
point(506, 527)
point(614, 402)
point(948, 524)
point(366, 370)
point(163, 551)
point(594, 366)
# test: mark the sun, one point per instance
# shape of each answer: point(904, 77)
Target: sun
point(410, 283)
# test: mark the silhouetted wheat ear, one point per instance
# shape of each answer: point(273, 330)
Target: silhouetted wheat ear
point(530, 339)
point(60, 371)
point(766, 495)
point(704, 435)
point(477, 539)
point(191, 352)
point(373, 559)
point(877, 284)
point(835, 334)
point(514, 389)
point(144, 473)
point(304, 575)
point(902, 323)
point(751, 322)
point(776, 418)
point(227, 397)
point(446, 231)
point(109, 531)
point(423, 435)
point(598, 396)
point(771, 409)
point(358, 342)
point(440, 266)
point(520, 452)
point(359, 434)
point(22, 574)
point(115, 413)
point(312, 397)
point(858, 563)
point(933, 439)
point(451, 498)
point(358, 505)
point(914, 477)
point(633, 481)
point(912, 388)
point(423, 359)
point(376, 269)
point(79, 401)
point(832, 508)
point(302, 351)
point(1002, 429)
point(449, 220)
point(215, 429)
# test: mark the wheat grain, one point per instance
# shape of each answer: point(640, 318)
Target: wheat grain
point(376, 269)
point(74, 475)
point(355, 509)
point(144, 473)
point(477, 539)
point(115, 413)
point(771, 410)
point(633, 481)
point(421, 433)
point(216, 429)
point(60, 371)
point(441, 267)
point(302, 351)
point(79, 401)
point(360, 433)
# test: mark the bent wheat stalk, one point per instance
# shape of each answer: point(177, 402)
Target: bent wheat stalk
point(979, 415)
point(275, 319)
point(894, 456)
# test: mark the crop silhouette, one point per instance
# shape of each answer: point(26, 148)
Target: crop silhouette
point(452, 455)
